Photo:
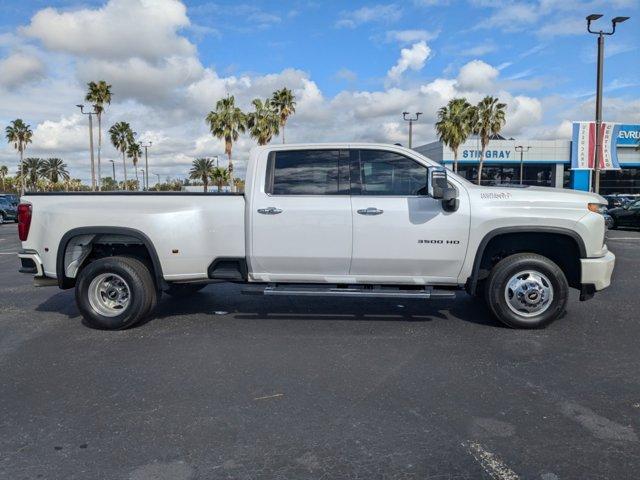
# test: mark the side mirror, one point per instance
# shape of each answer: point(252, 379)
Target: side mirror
point(439, 189)
point(437, 182)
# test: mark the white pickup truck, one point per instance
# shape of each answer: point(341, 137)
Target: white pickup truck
point(323, 219)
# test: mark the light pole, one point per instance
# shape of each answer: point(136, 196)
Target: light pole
point(93, 166)
point(591, 18)
point(146, 162)
point(113, 166)
point(521, 149)
point(410, 119)
point(157, 175)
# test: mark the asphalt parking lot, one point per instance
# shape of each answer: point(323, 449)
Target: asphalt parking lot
point(241, 387)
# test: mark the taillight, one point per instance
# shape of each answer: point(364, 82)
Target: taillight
point(24, 221)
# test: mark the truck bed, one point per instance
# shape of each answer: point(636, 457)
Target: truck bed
point(189, 230)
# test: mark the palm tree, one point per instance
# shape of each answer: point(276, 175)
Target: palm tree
point(121, 135)
point(454, 125)
point(239, 184)
point(202, 169)
point(134, 152)
point(284, 102)
point(220, 176)
point(227, 122)
point(99, 94)
point(4, 171)
point(53, 169)
point(263, 123)
point(489, 120)
point(19, 133)
point(31, 171)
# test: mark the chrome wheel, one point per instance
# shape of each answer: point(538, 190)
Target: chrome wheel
point(528, 293)
point(109, 294)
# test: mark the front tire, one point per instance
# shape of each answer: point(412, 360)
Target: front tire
point(527, 290)
point(115, 293)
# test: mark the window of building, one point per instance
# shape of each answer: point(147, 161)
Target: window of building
point(625, 180)
point(389, 173)
point(308, 172)
point(509, 174)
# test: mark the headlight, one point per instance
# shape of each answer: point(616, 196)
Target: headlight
point(597, 208)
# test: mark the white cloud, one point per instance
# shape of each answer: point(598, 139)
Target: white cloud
point(121, 29)
point(479, 49)
point(477, 75)
point(412, 58)
point(19, 68)
point(346, 75)
point(375, 13)
point(410, 36)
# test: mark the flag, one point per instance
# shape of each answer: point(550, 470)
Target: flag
point(583, 146)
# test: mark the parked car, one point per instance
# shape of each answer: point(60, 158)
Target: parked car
point(608, 221)
point(8, 211)
point(12, 198)
point(341, 220)
point(626, 216)
point(615, 201)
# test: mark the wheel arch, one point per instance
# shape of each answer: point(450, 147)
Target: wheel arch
point(508, 237)
point(65, 282)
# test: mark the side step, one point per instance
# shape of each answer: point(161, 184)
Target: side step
point(376, 291)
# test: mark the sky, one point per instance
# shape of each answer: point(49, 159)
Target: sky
point(353, 66)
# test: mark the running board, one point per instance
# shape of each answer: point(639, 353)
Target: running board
point(374, 291)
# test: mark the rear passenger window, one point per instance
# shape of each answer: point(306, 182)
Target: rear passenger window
point(307, 172)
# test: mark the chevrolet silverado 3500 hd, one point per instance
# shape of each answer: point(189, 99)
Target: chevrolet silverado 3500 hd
point(323, 219)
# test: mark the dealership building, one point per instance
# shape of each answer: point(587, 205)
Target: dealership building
point(545, 162)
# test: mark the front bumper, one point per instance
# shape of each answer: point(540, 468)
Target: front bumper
point(597, 271)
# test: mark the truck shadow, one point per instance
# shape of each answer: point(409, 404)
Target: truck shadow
point(228, 301)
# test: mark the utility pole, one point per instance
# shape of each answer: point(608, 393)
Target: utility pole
point(113, 165)
point(410, 119)
point(93, 165)
point(521, 149)
point(146, 162)
point(599, 78)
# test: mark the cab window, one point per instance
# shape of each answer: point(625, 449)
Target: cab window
point(388, 173)
point(308, 172)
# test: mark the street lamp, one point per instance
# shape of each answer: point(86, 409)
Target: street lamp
point(521, 149)
point(93, 167)
point(410, 119)
point(157, 175)
point(146, 162)
point(113, 165)
point(601, 33)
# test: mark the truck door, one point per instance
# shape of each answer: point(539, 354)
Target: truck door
point(301, 223)
point(400, 233)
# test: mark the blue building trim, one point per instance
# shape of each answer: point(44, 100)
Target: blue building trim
point(510, 162)
point(580, 180)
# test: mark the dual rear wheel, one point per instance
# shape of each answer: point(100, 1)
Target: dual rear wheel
point(115, 293)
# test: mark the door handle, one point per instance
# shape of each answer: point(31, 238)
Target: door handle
point(370, 211)
point(269, 211)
